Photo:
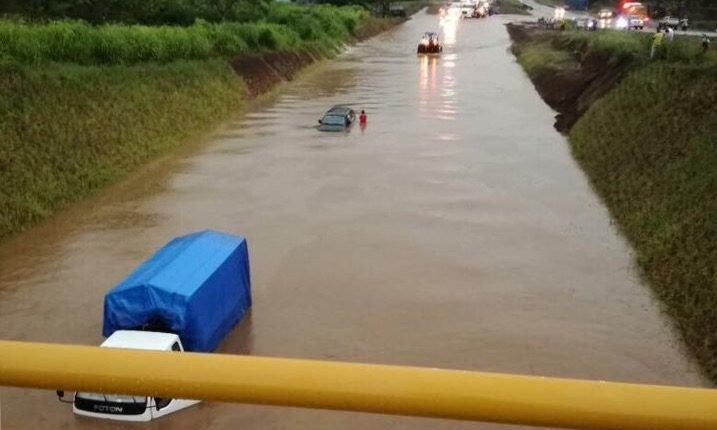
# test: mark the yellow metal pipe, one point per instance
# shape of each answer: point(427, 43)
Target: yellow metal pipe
point(396, 390)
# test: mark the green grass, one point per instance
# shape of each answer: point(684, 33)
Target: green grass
point(648, 148)
point(287, 27)
point(512, 7)
point(540, 57)
point(615, 44)
point(619, 45)
point(66, 130)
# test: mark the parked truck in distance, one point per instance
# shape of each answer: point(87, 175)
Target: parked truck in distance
point(633, 15)
point(187, 296)
point(673, 23)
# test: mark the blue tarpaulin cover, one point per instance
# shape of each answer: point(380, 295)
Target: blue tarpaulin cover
point(196, 286)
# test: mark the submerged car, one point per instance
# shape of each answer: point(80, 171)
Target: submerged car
point(429, 44)
point(338, 118)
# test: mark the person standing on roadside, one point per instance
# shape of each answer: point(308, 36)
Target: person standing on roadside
point(705, 43)
point(670, 34)
point(656, 42)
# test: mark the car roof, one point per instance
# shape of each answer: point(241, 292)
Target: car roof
point(339, 110)
point(135, 339)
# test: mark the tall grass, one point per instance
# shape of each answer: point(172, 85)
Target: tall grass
point(287, 27)
point(67, 130)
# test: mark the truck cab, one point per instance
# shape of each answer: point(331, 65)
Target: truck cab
point(132, 408)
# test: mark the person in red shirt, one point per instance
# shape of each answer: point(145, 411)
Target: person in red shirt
point(363, 118)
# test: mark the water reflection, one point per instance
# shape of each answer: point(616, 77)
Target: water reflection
point(427, 67)
point(449, 29)
point(437, 86)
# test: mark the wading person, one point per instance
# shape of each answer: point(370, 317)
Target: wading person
point(362, 120)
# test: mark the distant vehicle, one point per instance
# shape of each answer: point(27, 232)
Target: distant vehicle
point(635, 23)
point(673, 23)
point(429, 44)
point(605, 14)
point(634, 9)
point(467, 10)
point(559, 13)
point(586, 24)
point(630, 23)
point(454, 10)
point(482, 9)
point(397, 10)
point(338, 118)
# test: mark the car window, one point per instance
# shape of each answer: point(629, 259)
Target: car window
point(175, 347)
point(334, 120)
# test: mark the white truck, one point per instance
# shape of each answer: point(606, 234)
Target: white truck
point(189, 294)
point(673, 23)
point(132, 408)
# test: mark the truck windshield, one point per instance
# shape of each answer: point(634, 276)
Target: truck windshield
point(114, 398)
point(111, 403)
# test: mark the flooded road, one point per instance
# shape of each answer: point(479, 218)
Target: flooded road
point(454, 231)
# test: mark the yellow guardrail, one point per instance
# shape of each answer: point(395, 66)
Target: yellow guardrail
point(399, 390)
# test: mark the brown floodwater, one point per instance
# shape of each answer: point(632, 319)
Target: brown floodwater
point(454, 231)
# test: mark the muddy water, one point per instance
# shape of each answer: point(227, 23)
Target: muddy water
point(454, 231)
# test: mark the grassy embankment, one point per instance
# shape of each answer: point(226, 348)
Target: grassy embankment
point(81, 105)
point(512, 7)
point(649, 150)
